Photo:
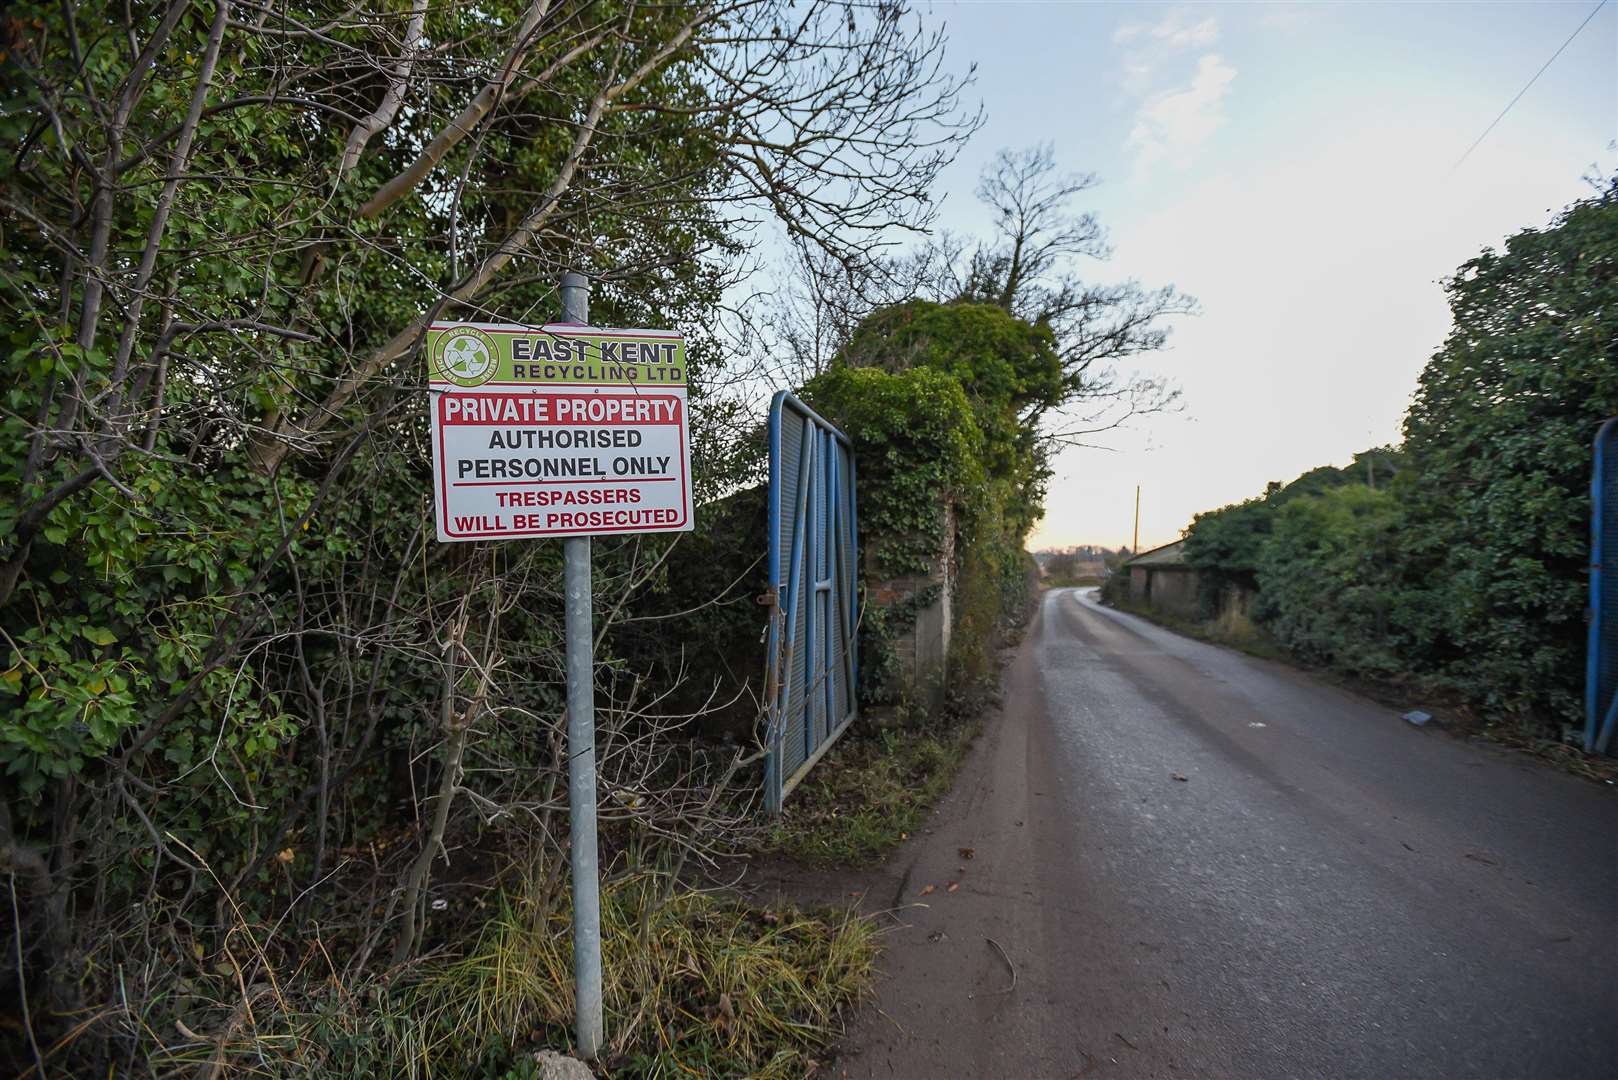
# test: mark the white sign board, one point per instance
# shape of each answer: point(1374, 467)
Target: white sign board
point(558, 430)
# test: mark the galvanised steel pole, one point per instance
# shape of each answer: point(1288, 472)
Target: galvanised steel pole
point(581, 750)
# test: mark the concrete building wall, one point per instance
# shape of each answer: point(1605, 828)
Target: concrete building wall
point(1174, 591)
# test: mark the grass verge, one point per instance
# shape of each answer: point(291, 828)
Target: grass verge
point(1231, 630)
point(873, 792)
point(1453, 715)
point(695, 985)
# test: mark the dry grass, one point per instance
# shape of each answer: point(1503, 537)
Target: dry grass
point(695, 986)
point(1233, 628)
point(872, 792)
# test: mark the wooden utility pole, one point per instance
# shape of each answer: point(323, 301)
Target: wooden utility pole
point(1135, 550)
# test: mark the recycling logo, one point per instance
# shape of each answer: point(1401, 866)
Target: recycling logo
point(467, 356)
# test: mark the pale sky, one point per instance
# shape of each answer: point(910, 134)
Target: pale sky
point(1290, 165)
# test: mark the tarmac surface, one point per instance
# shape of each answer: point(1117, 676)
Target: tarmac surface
point(1175, 860)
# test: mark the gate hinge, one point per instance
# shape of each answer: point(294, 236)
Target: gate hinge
point(767, 599)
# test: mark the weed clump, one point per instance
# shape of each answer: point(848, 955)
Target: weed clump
point(695, 985)
point(873, 791)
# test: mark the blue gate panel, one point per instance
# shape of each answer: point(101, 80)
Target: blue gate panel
point(1601, 676)
point(812, 657)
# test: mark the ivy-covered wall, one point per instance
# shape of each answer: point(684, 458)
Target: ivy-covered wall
point(937, 400)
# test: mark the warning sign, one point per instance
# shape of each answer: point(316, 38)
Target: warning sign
point(558, 430)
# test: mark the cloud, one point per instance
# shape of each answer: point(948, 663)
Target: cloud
point(1174, 31)
point(1172, 125)
point(1173, 118)
point(1145, 46)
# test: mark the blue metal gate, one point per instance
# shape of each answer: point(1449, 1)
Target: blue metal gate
point(1601, 674)
point(813, 658)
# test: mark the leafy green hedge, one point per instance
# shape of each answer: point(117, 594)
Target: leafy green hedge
point(935, 399)
point(916, 442)
point(1328, 580)
point(1465, 571)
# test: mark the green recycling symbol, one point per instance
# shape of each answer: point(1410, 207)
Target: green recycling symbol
point(467, 356)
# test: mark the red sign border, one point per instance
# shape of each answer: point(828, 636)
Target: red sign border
point(684, 477)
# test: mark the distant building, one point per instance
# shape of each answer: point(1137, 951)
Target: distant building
point(1161, 579)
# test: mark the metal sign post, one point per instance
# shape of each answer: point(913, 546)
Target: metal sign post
point(581, 750)
point(567, 431)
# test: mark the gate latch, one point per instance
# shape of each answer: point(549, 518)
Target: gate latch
point(767, 599)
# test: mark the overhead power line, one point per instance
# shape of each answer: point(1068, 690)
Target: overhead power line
point(1526, 88)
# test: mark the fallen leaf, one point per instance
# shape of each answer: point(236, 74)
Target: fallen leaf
point(953, 886)
point(1181, 777)
point(927, 889)
point(965, 852)
point(286, 855)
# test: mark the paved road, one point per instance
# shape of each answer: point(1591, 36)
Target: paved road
point(1328, 892)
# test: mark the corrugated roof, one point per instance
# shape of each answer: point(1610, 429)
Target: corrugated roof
point(1167, 555)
